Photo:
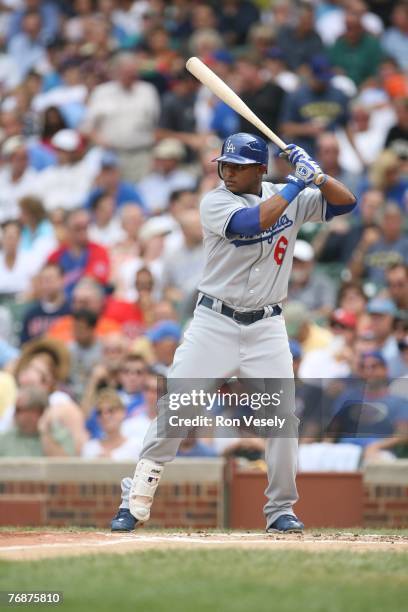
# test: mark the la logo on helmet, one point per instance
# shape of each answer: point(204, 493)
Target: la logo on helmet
point(230, 148)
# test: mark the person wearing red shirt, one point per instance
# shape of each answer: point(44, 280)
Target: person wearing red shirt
point(134, 317)
point(79, 257)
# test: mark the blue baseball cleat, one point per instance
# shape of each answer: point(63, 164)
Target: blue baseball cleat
point(286, 523)
point(123, 521)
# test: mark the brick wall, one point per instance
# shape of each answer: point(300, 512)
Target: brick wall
point(70, 492)
point(56, 493)
point(376, 497)
point(386, 495)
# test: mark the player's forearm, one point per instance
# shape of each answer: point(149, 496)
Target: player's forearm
point(336, 193)
point(254, 220)
point(271, 210)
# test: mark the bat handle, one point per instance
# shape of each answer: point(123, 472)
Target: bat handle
point(320, 179)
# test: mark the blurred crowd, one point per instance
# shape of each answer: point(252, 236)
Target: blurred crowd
point(106, 146)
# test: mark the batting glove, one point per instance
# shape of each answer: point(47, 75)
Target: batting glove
point(293, 153)
point(307, 170)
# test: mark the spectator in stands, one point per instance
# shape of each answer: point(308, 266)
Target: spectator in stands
point(264, 97)
point(356, 53)
point(217, 115)
point(397, 285)
point(131, 383)
point(180, 202)
point(397, 137)
point(378, 249)
point(106, 372)
point(63, 105)
point(85, 350)
point(362, 140)
point(398, 367)
point(109, 181)
point(144, 285)
point(166, 176)
point(300, 327)
point(314, 108)
point(235, 19)
point(209, 178)
point(131, 376)
point(89, 295)
point(178, 112)
point(27, 47)
point(128, 249)
point(165, 337)
point(333, 361)
point(300, 42)
point(68, 182)
point(328, 152)
point(306, 284)
point(17, 179)
point(39, 370)
point(16, 269)
point(387, 174)
point(395, 38)
point(337, 240)
point(351, 298)
point(277, 70)
point(50, 305)
point(113, 444)
point(53, 122)
point(183, 269)
point(126, 126)
point(32, 435)
point(131, 314)
point(382, 313)
point(80, 257)
point(368, 415)
point(105, 228)
point(152, 238)
point(49, 14)
point(37, 235)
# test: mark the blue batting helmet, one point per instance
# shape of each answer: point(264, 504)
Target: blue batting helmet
point(244, 148)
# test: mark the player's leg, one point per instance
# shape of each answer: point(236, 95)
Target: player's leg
point(267, 357)
point(210, 351)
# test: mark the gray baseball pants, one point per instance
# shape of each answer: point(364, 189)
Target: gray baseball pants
point(216, 347)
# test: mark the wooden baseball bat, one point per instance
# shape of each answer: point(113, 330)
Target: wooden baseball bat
point(208, 78)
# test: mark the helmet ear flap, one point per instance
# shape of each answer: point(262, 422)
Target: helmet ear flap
point(219, 170)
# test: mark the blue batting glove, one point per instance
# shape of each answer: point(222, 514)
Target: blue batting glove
point(293, 153)
point(307, 170)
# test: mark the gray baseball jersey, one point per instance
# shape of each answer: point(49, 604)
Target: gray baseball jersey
point(250, 272)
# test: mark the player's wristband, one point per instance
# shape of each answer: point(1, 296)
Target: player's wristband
point(292, 189)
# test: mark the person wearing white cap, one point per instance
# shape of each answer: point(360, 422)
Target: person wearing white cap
point(67, 184)
point(167, 176)
point(314, 289)
point(17, 178)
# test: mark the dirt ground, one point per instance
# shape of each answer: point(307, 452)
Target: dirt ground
point(27, 545)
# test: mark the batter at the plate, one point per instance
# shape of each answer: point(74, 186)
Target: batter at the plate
point(238, 329)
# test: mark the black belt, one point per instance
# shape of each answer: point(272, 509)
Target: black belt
point(244, 318)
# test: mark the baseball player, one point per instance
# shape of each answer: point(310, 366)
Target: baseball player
point(250, 229)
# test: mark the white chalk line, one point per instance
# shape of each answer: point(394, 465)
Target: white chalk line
point(186, 539)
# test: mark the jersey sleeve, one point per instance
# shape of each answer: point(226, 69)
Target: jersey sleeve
point(311, 206)
point(216, 211)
